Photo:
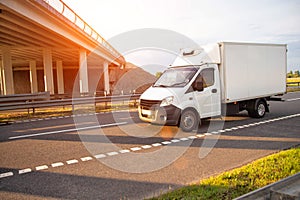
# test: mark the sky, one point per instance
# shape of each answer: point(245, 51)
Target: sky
point(203, 21)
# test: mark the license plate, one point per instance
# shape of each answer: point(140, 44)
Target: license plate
point(146, 112)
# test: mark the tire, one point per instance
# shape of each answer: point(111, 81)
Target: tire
point(189, 120)
point(258, 110)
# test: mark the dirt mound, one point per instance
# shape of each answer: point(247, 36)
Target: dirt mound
point(134, 79)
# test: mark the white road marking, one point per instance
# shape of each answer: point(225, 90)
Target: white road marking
point(84, 159)
point(124, 151)
point(67, 130)
point(58, 164)
point(42, 167)
point(175, 140)
point(24, 171)
point(207, 134)
point(100, 156)
point(7, 174)
point(135, 148)
point(295, 99)
point(192, 137)
point(70, 162)
point(112, 153)
point(146, 146)
point(184, 139)
point(156, 144)
point(200, 135)
point(166, 142)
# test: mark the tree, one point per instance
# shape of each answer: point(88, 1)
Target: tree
point(297, 74)
point(290, 74)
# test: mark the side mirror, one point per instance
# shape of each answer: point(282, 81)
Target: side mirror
point(198, 86)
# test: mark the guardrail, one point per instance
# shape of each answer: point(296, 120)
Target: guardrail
point(31, 104)
point(24, 97)
point(291, 84)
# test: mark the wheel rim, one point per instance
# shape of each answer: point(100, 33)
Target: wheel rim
point(261, 109)
point(188, 120)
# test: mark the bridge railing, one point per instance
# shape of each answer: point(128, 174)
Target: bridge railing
point(60, 7)
point(30, 101)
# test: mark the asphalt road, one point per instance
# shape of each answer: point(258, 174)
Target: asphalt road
point(116, 156)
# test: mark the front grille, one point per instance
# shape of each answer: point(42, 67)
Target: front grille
point(148, 104)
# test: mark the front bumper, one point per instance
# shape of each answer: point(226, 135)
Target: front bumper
point(161, 115)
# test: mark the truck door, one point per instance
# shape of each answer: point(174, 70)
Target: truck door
point(208, 100)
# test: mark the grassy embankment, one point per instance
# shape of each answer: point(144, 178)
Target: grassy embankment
point(240, 181)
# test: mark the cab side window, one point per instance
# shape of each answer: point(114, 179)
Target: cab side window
point(204, 79)
point(207, 76)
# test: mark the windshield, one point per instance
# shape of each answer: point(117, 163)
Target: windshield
point(176, 77)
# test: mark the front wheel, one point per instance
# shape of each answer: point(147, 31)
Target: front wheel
point(189, 120)
point(258, 110)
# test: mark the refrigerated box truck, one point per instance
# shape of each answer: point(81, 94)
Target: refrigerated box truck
point(216, 80)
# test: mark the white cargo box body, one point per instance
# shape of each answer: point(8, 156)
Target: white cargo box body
point(250, 71)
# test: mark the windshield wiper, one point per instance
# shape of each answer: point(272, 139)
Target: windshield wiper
point(160, 86)
point(177, 84)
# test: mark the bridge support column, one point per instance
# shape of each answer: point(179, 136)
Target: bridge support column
point(60, 77)
point(83, 72)
point(106, 77)
point(1, 81)
point(33, 76)
point(7, 73)
point(48, 71)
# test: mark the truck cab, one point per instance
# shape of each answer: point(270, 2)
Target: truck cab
point(183, 95)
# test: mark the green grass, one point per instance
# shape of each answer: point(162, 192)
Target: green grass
point(240, 181)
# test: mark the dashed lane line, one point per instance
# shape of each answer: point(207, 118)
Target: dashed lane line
point(133, 149)
point(124, 151)
point(113, 153)
point(24, 171)
point(58, 164)
point(100, 156)
point(166, 142)
point(73, 161)
point(42, 167)
point(84, 159)
point(7, 174)
point(156, 144)
point(146, 146)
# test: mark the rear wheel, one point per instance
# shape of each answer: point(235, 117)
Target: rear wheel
point(189, 120)
point(258, 110)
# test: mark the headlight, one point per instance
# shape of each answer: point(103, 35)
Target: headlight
point(167, 101)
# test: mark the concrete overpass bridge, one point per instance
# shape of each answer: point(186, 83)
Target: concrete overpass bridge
point(46, 46)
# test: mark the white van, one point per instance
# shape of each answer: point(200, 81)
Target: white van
point(219, 79)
